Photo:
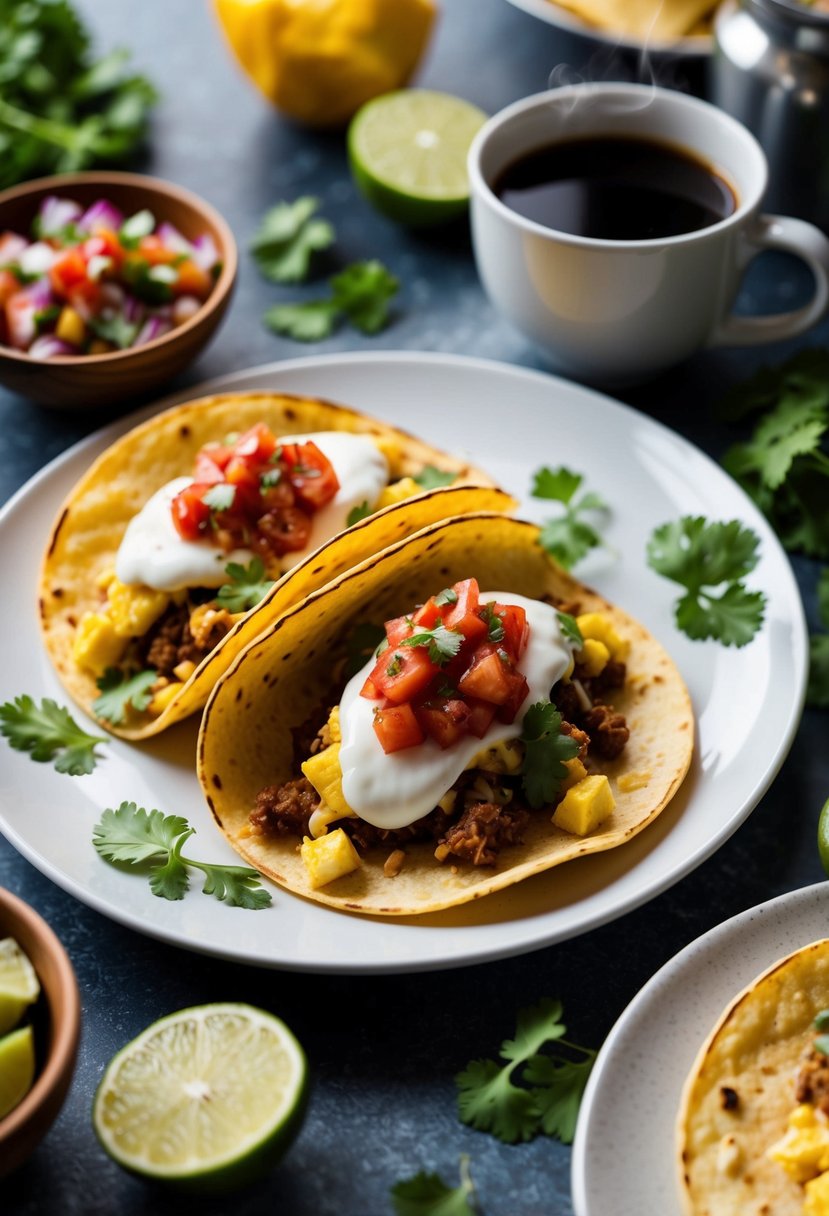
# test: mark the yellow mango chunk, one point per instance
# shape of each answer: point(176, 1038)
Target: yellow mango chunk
point(334, 732)
point(183, 671)
point(576, 772)
point(585, 806)
point(164, 696)
point(70, 327)
point(328, 857)
point(324, 772)
point(599, 627)
point(398, 491)
point(97, 645)
point(593, 656)
point(133, 610)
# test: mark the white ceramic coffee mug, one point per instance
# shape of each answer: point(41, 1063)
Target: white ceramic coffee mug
point(616, 311)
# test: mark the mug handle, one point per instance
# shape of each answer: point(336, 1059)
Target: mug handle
point(805, 241)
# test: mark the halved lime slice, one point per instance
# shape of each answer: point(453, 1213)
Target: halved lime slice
point(408, 154)
point(209, 1097)
point(823, 836)
point(19, 986)
point(17, 1068)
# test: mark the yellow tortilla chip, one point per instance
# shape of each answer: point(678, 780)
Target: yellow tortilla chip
point(89, 528)
point(246, 738)
point(742, 1089)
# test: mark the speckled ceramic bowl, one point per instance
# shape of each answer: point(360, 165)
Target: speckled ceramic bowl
point(56, 1017)
point(95, 380)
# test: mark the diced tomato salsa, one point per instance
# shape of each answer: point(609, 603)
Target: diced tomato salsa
point(448, 670)
point(92, 281)
point(253, 492)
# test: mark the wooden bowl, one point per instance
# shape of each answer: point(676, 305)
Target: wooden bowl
point(56, 1017)
point(95, 380)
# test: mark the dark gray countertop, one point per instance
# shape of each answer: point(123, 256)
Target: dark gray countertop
point(383, 1050)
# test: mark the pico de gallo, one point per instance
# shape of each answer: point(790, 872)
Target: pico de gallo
point(91, 281)
point(255, 492)
point(448, 670)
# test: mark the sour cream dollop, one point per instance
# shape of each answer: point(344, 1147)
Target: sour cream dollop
point(392, 791)
point(153, 553)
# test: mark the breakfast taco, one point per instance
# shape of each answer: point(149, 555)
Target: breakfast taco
point(443, 720)
point(753, 1128)
point(199, 527)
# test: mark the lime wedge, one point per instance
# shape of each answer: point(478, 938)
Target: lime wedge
point(408, 154)
point(17, 1068)
point(823, 837)
point(19, 985)
point(209, 1097)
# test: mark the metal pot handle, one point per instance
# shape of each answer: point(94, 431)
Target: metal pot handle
point(806, 242)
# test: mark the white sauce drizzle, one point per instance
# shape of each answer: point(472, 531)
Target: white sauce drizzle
point(154, 554)
point(393, 791)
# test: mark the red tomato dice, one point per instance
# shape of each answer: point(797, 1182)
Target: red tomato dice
point(403, 673)
point(256, 445)
point(463, 615)
point(481, 714)
point(518, 689)
point(444, 722)
point(67, 273)
point(190, 515)
point(516, 629)
point(397, 728)
point(488, 676)
point(311, 474)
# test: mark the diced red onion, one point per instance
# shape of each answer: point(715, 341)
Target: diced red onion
point(55, 213)
point(102, 214)
point(205, 253)
point(133, 309)
point(11, 246)
point(37, 258)
point(114, 295)
point(153, 327)
point(39, 294)
point(47, 346)
point(171, 238)
point(184, 308)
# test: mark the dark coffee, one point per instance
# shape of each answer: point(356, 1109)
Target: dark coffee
point(615, 189)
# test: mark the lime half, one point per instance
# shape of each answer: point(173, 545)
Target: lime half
point(408, 154)
point(19, 986)
point(823, 836)
point(17, 1068)
point(209, 1097)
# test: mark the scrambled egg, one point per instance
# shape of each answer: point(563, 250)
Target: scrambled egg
point(804, 1154)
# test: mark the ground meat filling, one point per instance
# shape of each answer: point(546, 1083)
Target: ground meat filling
point(284, 810)
point(813, 1081)
point(169, 641)
point(483, 830)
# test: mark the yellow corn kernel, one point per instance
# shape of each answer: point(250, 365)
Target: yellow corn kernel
point(324, 773)
point(447, 802)
point(504, 757)
point(133, 610)
point(183, 671)
point(593, 657)
point(97, 645)
point(576, 772)
point(398, 491)
point(100, 347)
point(105, 578)
point(585, 805)
point(334, 732)
point(70, 327)
point(164, 696)
point(599, 626)
point(328, 858)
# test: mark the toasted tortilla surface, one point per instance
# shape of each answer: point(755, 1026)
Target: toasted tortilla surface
point(276, 684)
point(755, 1049)
point(92, 522)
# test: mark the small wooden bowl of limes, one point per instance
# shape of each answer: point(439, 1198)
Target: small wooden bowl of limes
point(40, 1019)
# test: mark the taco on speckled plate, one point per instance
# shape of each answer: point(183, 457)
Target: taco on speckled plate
point(201, 526)
point(443, 720)
point(753, 1127)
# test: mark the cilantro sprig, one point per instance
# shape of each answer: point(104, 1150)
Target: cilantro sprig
point(432, 478)
point(710, 560)
point(545, 750)
point(428, 1195)
point(359, 294)
point(817, 693)
point(442, 643)
point(119, 692)
point(568, 537)
point(361, 511)
point(288, 237)
point(153, 840)
point(247, 586)
point(48, 732)
point(530, 1092)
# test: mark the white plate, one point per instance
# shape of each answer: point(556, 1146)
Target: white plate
point(638, 1078)
point(511, 421)
point(545, 10)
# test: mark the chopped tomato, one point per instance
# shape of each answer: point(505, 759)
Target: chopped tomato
point(68, 272)
point(311, 474)
point(480, 718)
point(103, 244)
point(403, 673)
point(154, 251)
point(488, 676)
point(20, 320)
point(397, 728)
point(463, 614)
point(8, 285)
point(285, 531)
point(191, 515)
point(428, 615)
point(519, 688)
point(516, 630)
point(191, 280)
point(445, 722)
point(208, 472)
point(257, 444)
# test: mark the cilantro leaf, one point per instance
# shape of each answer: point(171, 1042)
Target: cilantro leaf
point(246, 588)
point(361, 511)
point(362, 292)
point(545, 750)
point(447, 596)
point(119, 691)
point(48, 732)
point(823, 598)
point(133, 836)
point(115, 329)
point(361, 645)
point(794, 427)
point(490, 1099)
point(494, 623)
point(817, 693)
point(804, 377)
point(432, 478)
point(567, 537)
point(308, 322)
point(442, 643)
point(287, 239)
point(428, 1195)
point(570, 629)
point(701, 557)
point(219, 497)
